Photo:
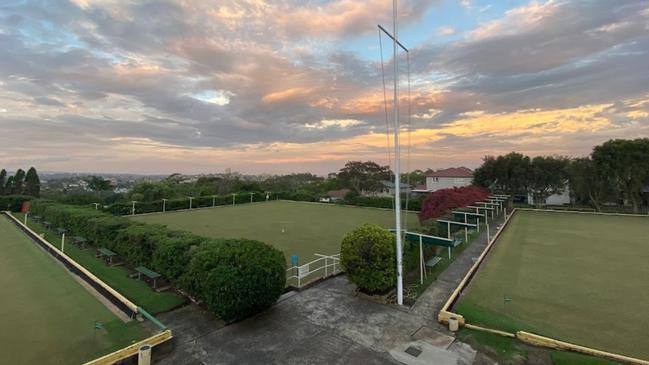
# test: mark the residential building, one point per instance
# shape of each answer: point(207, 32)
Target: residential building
point(445, 179)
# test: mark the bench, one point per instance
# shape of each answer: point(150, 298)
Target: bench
point(432, 262)
point(141, 270)
point(61, 231)
point(47, 225)
point(36, 218)
point(79, 241)
point(104, 252)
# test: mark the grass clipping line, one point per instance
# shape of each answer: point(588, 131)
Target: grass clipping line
point(526, 337)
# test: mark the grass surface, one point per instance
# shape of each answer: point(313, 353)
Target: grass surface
point(295, 228)
point(580, 278)
point(47, 316)
point(137, 291)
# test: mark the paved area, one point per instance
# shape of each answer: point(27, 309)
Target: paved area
point(328, 324)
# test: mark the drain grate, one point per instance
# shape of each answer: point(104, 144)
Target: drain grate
point(413, 351)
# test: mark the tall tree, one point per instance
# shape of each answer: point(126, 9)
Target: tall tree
point(32, 183)
point(9, 185)
point(589, 185)
point(363, 176)
point(626, 162)
point(18, 182)
point(548, 176)
point(3, 181)
point(98, 184)
point(508, 174)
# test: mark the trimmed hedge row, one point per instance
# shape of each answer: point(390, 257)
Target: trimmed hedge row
point(234, 278)
point(381, 202)
point(182, 203)
point(13, 203)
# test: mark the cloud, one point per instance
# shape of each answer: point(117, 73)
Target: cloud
point(257, 82)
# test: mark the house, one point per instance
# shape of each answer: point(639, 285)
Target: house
point(446, 178)
point(562, 198)
point(387, 189)
point(335, 195)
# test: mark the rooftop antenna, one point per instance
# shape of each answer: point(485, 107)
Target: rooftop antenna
point(397, 152)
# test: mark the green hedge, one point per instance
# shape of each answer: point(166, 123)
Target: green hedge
point(235, 278)
point(13, 203)
point(126, 208)
point(368, 255)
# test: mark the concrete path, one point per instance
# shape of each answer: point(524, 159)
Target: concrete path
point(329, 324)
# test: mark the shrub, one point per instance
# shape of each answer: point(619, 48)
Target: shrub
point(173, 254)
point(236, 277)
point(368, 256)
point(13, 203)
point(441, 201)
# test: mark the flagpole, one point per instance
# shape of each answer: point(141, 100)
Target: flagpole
point(397, 164)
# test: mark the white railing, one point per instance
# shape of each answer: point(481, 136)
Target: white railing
point(320, 268)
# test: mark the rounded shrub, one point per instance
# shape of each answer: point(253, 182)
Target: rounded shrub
point(367, 254)
point(236, 278)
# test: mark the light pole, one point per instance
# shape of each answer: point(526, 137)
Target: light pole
point(96, 206)
point(133, 209)
point(191, 198)
point(251, 194)
point(164, 205)
point(63, 242)
point(26, 214)
point(233, 198)
point(213, 201)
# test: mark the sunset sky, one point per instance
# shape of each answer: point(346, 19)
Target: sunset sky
point(288, 86)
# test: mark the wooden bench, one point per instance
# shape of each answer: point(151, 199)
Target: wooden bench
point(434, 261)
point(141, 270)
point(104, 252)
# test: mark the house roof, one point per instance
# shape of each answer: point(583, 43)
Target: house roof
point(338, 193)
point(452, 172)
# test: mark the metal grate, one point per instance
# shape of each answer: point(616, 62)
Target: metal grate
point(413, 351)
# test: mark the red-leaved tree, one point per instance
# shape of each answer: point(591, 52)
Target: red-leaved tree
point(439, 202)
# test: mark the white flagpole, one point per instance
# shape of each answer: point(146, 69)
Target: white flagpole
point(397, 153)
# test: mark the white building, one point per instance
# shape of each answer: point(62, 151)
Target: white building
point(445, 179)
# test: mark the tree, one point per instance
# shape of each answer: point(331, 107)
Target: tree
point(367, 254)
point(416, 177)
point(363, 176)
point(32, 183)
point(626, 162)
point(589, 185)
point(548, 177)
point(18, 182)
point(508, 174)
point(3, 181)
point(98, 184)
point(9, 185)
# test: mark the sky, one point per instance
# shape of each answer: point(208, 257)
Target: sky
point(158, 86)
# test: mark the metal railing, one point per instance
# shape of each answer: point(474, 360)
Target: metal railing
point(320, 268)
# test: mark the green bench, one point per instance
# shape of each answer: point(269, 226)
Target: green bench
point(106, 253)
point(47, 225)
point(61, 230)
point(79, 241)
point(434, 261)
point(152, 275)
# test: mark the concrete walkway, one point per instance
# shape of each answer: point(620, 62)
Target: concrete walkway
point(329, 324)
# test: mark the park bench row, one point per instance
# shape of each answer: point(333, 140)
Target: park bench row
point(107, 255)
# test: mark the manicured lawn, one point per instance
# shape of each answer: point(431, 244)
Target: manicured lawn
point(580, 278)
point(296, 228)
point(47, 316)
point(137, 291)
